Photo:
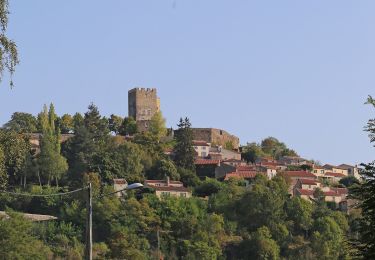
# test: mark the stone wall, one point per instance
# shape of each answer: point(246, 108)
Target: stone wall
point(216, 137)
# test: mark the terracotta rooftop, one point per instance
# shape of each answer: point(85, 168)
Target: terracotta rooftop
point(242, 174)
point(341, 191)
point(161, 181)
point(308, 182)
point(245, 168)
point(299, 174)
point(170, 188)
point(119, 181)
point(200, 143)
point(335, 174)
point(305, 192)
point(206, 162)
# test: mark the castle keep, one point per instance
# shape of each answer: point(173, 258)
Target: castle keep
point(143, 103)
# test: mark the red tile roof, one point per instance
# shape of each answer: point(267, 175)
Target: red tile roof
point(341, 191)
point(299, 174)
point(308, 182)
point(200, 143)
point(206, 162)
point(119, 181)
point(162, 181)
point(242, 174)
point(335, 174)
point(305, 192)
point(170, 188)
point(245, 168)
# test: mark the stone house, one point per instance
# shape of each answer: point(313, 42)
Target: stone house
point(167, 187)
point(202, 148)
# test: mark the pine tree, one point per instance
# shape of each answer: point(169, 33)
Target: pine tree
point(184, 151)
point(365, 193)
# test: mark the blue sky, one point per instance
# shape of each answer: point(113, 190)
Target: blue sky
point(296, 70)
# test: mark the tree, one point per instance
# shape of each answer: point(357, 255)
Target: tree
point(128, 126)
point(95, 124)
point(273, 147)
point(66, 124)
point(164, 168)
point(77, 121)
point(157, 126)
point(16, 148)
point(9, 54)
point(365, 193)
point(183, 150)
point(260, 246)
point(22, 123)
point(51, 163)
point(114, 123)
point(3, 171)
point(251, 152)
point(17, 240)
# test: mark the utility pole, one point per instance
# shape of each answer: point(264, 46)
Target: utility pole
point(89, 223)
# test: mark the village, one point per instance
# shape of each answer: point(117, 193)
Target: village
point(218, 155)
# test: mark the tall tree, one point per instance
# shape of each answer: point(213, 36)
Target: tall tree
point(9, 54)
point(22, 123)
point(365, 193)
point(184, 150)
point(51, 163)
point(77, 121)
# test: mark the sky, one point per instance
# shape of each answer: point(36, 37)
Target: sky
point(296, 70)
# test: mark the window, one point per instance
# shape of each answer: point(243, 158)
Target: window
point(203, 147)
point(203, 154)
point(183, 195)
point(165, 193)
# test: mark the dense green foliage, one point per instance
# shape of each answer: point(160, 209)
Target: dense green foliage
point(365, 194)
point(269, 147)
point(224, 220)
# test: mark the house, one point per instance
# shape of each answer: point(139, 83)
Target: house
point(119, 185)
point(352, 170)
point(295, 175)
point(307, 184)
point(294, 160)
point(206, 167)
point(224, 153)
point(333, 176)
point(235, 162)
point(304, 194)
point(168, 188)
point(318, 171)
point(202, 148)
point(336, 195)
point(336, 169)
point(247, 176)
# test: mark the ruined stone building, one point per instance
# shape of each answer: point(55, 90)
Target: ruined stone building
point(142, 105)
point(217, 137)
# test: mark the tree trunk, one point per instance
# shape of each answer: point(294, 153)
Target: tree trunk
point(57, 182)
point(40, 182)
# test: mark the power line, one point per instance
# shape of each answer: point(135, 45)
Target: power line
point(42, 195)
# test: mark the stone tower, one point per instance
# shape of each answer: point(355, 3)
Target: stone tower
point(142, 105)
